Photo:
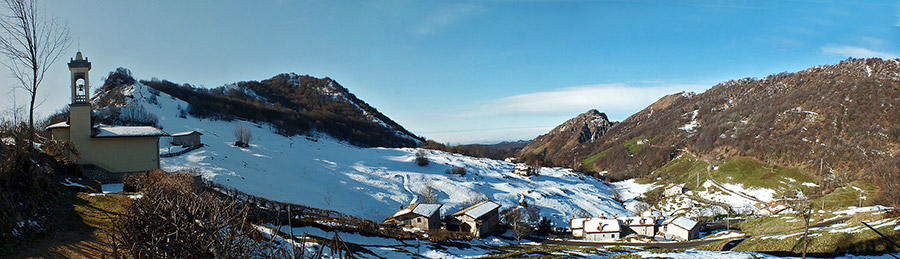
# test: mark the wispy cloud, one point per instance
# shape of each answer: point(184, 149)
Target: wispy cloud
point(447, 15)
point(856, 52)
point(617, 100)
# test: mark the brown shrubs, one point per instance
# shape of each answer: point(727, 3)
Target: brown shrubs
point(176, 220)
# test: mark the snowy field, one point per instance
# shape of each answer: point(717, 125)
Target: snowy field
point(371, 183)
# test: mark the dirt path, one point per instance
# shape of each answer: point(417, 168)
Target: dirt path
point(79, 232)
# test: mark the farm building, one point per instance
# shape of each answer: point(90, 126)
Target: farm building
point(417, 216)
point(187, 139)
point(513, 160)
point(673, 190)
point(480, 219)
point(524, 170)
point(680, 228)
point(113, 149)
point(772, 208)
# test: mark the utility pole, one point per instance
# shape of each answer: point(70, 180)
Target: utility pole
point(806, 232)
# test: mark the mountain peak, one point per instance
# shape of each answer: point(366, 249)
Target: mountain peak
point(584, 128)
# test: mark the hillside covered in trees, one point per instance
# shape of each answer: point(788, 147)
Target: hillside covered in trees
point(292, 104)
point(836, 122)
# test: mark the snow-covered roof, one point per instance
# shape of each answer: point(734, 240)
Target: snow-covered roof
point(179, 134)
point(598, 225)
point(479, 209)
point(402, 212)
point(638, 221)
point(577, 223)
point(681, 222)
point(128, 131)
point(63, 124)
point(426, 209)
point(650, 213)
point(419, 209)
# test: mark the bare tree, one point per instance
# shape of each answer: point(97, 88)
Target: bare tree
point(32, 43)
point(243, 135)
point(516, 218)
point(428, 194)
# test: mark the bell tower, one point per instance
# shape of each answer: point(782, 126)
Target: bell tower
point(81, 82)
point(80, 125)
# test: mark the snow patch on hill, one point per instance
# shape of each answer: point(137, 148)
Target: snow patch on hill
point(367, 182)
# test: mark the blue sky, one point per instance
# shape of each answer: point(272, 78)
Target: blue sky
point(472, 71)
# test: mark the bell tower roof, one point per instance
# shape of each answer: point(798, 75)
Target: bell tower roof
point(79, 61)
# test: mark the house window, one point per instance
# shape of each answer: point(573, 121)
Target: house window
point(419, 220)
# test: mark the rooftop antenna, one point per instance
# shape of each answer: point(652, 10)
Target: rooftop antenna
point(79, 44)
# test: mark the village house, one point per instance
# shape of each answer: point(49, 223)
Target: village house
point(513, 160)
point(673, 190)
point(639, 225)
point(187, 139)
point(524, 170)
point(596, 229)
point(480, 219)
point(114, 149)
point(417, 216)
point(648, 223)
point(680, 228)
point(772, 208)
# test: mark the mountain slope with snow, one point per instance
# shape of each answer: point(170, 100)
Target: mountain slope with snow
point(367, 182)
point(293, 104)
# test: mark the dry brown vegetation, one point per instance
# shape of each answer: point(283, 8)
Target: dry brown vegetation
point(175, 219)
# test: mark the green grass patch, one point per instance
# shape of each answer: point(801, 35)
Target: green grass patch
point(685, 169)
point(589, 162)
point(635, 145)
point(772, 224)
point(847, 196)
point(824, 241)
point(752, 173)
point(97, 211)
point(643, 181)
point(714, 246)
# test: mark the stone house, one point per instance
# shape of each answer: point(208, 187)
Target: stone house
point(480, 220)
point(673, 190)
point(417, 216)
point(680, 228)
point(114, 149)
point(524, 170)
point(187, 139)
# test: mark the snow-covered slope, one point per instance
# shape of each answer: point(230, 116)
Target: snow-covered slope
point(367, 182)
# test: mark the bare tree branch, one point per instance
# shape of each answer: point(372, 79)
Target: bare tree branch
point(32, 44)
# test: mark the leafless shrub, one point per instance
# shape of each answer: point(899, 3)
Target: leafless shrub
point(175, 220)
point(459, 170)
point(421, 158)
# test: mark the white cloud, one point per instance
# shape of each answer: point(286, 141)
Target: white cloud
point(447, 15)
point(856, 52)
point(617, 100)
